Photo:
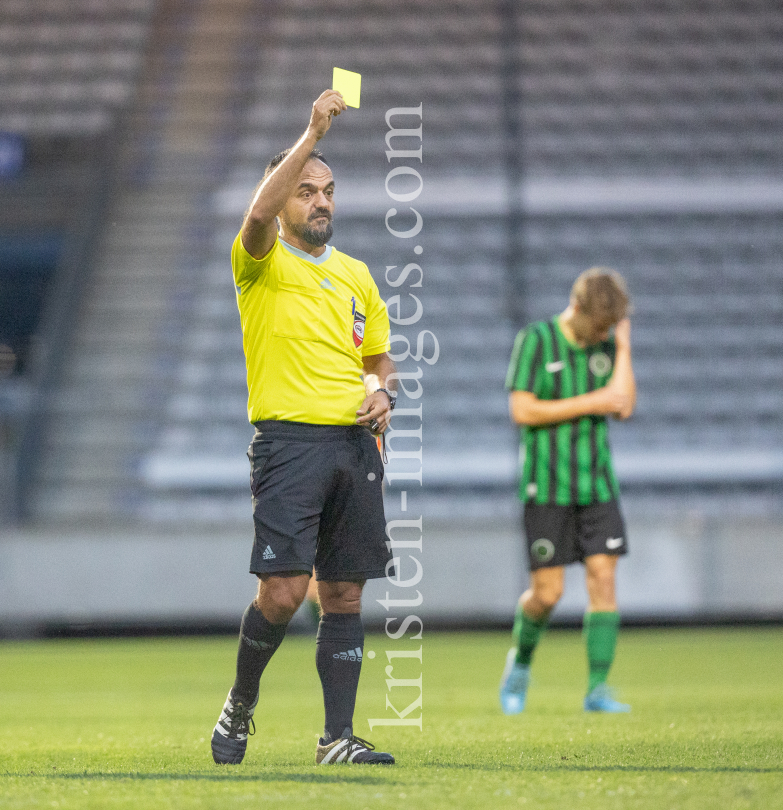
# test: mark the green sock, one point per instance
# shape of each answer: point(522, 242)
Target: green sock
point(526, 634)
point(600, 633)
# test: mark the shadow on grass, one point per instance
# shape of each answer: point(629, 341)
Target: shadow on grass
point(606, 768)
point(333, 777)
point(363, 778)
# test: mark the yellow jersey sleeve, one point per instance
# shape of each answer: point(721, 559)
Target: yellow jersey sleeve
point(376, 336)
point(246, 269)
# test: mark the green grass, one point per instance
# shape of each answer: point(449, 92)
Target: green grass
point(126, 724)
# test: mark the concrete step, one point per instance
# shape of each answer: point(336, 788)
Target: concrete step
point(145, 302)
point(77, 504)
point(91, 459)
point(115, 386)
point(111, 370)
point(122, 403)
point(140, 262)
point(84, 469)
point(153, 203)
point(98, 430)
point(142, 293)
point(103, 334)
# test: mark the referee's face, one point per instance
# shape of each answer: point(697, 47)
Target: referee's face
point(309, 210)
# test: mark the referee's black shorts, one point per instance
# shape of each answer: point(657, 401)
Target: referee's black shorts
point(317, 501)
point(559, 535)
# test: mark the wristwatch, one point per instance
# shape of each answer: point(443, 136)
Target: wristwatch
point(392, 397)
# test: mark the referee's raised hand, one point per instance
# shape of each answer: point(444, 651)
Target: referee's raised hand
point(329, 103)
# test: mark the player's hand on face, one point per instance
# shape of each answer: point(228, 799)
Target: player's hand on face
point(329, 103)
point(375, 409)
point(622, 334)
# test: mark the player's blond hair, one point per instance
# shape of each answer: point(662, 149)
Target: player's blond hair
point(602, 294)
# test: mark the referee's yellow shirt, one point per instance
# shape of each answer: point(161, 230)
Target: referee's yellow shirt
point(306, 324)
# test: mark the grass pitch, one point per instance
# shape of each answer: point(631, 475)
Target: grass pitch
point(126, 724)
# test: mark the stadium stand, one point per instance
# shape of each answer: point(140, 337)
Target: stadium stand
point(67, 71)
point(673, 111)
point(413, 47)
point(105, 406)
point(67, 67)
point(556, 136)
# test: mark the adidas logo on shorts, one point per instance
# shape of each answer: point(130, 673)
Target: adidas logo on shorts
point(351, 655)
point(269, 554)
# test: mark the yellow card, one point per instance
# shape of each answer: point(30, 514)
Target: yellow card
point(349, 84)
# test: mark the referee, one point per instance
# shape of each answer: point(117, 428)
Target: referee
point(316, 336)
point(566, 376)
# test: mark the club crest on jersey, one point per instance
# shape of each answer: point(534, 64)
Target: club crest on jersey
point(600, 364)
point(358, 328)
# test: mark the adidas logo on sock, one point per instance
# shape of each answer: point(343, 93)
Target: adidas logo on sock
point(269, 554)
point(256, 645)
point(351, 655)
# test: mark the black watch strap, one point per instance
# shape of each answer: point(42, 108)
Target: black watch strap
point(392, 397)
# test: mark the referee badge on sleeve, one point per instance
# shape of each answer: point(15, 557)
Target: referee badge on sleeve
point(358, 328)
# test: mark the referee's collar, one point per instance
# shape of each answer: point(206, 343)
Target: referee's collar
point(306, 256)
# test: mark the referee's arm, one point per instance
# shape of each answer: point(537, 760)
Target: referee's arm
point(259, 230)
point(377, 406)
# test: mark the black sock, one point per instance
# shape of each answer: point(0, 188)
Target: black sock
point(338, 658)
point(258, 640)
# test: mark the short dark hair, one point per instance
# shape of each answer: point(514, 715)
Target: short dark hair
point(316, 154)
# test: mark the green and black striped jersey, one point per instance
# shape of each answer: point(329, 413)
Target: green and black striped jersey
point(567, 463)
